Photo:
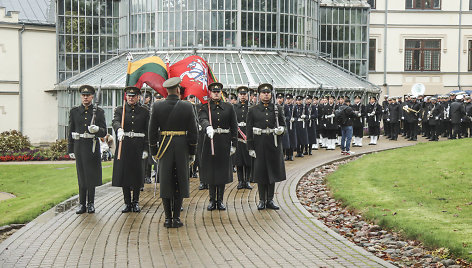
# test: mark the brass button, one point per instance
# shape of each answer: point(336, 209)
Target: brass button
point(267, 120)
point(132, 116)
point(132, 122)
point(85, 118)
point(218, 119)
point(267, 114)
point(85, 111)
point(85, 124)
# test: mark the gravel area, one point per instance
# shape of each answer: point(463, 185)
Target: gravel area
point(388, 245)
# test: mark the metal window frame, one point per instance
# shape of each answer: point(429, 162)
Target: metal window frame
point(421, 51)
point(422, 5)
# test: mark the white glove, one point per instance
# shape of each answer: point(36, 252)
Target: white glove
point(436, 118)
point(210, 132)
point(75, 136)
point(120, 133)
point(93, 129)
point(191, 159)
point(358, 114)
point(252, 153)
point(388, 119)
point(279, 130)
point(72, 156)
point(419, 119)
point(303, 116)
point(330, 116)
point(145, 155)
point(256, 131)
point(292, 119)
point(403, 118)
point(232, 150)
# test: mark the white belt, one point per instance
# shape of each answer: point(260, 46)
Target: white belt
point(221, 130)
point(242, 140)
point(134, 134)
point(300, 120)
point(241, 124)
point(260, 131)
point(77, 136)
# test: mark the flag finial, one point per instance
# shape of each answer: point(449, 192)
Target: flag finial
point(129, 56)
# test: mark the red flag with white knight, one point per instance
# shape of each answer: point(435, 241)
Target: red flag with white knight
point(196, 75)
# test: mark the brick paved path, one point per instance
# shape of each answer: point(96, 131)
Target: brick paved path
point(241, 236)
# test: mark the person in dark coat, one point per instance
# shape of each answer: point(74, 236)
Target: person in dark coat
point(290, 140)
point(312, 113)
point(133, 136)
point(300, 125)
point(83, 137)
point(242, 160)
point(457, 114)
point(330, 125)
point(434, 115)
point(222, 130)
point(174, 127)
point(385, 112)
point(394, 118)
point(358, 121)
point(201, 137)
point(412, 114)
point(468, 119)
point(345, 115)
point(374, 114)
point(265, 127)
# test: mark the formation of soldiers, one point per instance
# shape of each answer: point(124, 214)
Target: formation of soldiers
point(252, 133)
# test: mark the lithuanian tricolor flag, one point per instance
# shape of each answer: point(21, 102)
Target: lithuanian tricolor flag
point(151, 70)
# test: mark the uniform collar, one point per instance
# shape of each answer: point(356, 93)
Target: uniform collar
point(215, 104)
point(83, 109)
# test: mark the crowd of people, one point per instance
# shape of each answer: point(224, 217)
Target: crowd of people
point(250, 133)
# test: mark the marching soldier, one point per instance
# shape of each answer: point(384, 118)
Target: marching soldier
point(385, 104)
point(457, 113)
point(84, 147)
point(290, 140)
point(148, 162)
point(132, 132)
point(222, 130)
point(412, 111)
point(265, 127)
point(358, 121)
point(329, 123)
point(434, 114)
point(374, 113)
point(174, 127)
point(242, 160)
point(312, 112)
point(300, 125)
point(394, 119)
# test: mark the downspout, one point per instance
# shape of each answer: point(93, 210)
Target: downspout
point(459, 48)
point(385, 49)
point(20, 40)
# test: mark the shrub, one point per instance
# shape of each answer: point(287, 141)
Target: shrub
point(11, 141)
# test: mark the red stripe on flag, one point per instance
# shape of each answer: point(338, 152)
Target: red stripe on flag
point(154, 81)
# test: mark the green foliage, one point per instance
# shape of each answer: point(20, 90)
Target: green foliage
point(423, 191)
point(13, 141)
point(38, 188)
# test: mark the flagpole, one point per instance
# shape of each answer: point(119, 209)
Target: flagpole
point(211, 124)
point(129, 58)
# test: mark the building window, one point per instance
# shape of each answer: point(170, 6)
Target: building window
point(470, 4)
point(372, 46)
point(423, 4)
point(422, 55)
point(372, 3)
point(470, 55)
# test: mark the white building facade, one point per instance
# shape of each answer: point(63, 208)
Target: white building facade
point(27, 74)
point(425, 42)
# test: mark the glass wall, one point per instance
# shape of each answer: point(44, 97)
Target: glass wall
point(87, 34)
point(344, 36)
point(247, 24)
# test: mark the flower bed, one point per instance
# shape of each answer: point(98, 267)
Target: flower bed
point(33, 155)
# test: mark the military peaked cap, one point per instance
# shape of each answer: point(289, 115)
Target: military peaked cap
point(86, 90)
point(172, 82)
point(132, 90)
point(266, 87)
point(215, 86)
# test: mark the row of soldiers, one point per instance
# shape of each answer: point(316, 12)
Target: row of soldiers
point(174, 132)
point(448, 116)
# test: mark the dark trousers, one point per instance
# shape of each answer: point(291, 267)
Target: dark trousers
point(243, 173)
point(266, 191)
point(216, 192)
point(394, 130)
point(358, 132)
point(412, 130)
point(456, 131)
point(387, 128)
point(331, 133)
point(86, 194)
point(127, 194)
point(289, 152)
point(434, 132)
point(173, 205)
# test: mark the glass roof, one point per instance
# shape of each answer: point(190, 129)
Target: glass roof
point(347, 3)
point(32, 11)
point(235, 68)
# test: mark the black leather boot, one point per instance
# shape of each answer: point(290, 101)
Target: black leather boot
point(135, 204)
point(240, 172)
point(240, 185)
point(270, 196)
point(261, 205)
point(262, 187)
point(90, 208)
point(176, 223)
point(127, 208)
point(219, 200)
point(212, 203)
point(81, 209)
point(202, 186)
point(271, 204)
point(168, 212)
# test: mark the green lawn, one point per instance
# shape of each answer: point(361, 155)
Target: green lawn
point(38, 188)
point(423, 191)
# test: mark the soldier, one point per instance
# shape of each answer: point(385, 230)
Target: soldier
point(148, 162)
point(434, 114)
point(280, 99)
point(386, 123)
point(358, 121)
point(316, 122)
point(300, 124)
point(265, 127)
point(174, 127)
point(329, 123)
point(394, 118)
point(412, 112)
point(374, 113)
point(468, 120)
point(457, 113)
point(233, 98)
point(84, 147)
point(222, 130)
point(242, 160)
point(312, 113)
point(290, 140)
point(132, 132)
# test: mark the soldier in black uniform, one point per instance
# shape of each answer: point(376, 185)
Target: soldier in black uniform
point(312, 115)
point(174, 127)
point(468, 119)
point(242, 160)
point(386, 123)
point(148, 162)
point(300, 124)
point(412, 113)
point(457, 113)
point(394, 118)
point(216, 170)
point(358, 121)
point(374, 114)
point(83, 145)
point(265, 127)
point(331, 127)
point(434, 114)
point(290, 140)
point(133, 135)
